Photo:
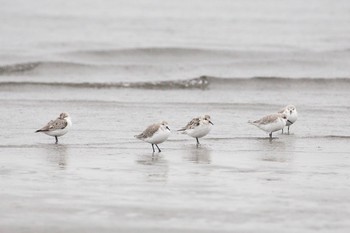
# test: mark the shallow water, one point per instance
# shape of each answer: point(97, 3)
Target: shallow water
point(99, 178)
point(118, 66)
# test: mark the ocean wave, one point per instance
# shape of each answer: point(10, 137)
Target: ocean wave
point(190, 51)
point(31, 66)
point(275, 79)
point(277, 83)
point(17, 68)
point(202, 82)
point(153, 51)
point(196, 83)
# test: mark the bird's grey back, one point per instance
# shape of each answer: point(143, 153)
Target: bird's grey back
point(267, 119)
point(148, 132)
point(192, 124)
point(55, 125)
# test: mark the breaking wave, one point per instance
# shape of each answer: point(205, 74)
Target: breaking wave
point(17, 68)
point(197, 83)
point(31, 66)
point(202, 82)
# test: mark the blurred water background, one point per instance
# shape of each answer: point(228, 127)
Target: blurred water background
point(118, 66)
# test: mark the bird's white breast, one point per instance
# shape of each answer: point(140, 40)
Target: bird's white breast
point(159, 136)
point(292, 118)
point(199, 131)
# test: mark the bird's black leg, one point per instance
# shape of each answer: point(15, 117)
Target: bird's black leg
point(197, 142)
point(288, 129)
point(56, 139)
point(153, 147)
point(282, 131)
point(158, 148)
point(270, 135)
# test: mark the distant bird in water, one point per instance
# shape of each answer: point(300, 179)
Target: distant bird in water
point(155, 134)
point(198, 127)
point(58, 127)
point(291, 112)
point(271, 123)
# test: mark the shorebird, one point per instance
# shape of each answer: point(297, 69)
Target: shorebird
point(198, 127)
point(58, 127)
point(271, 123)
point(155, 134)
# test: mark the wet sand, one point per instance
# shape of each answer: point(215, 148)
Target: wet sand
point(99, 178)
point(69, 188)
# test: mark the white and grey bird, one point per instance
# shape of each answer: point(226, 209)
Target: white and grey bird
point(271, 123)
point(155, 134)
point(291, 112)
point(198, 127)
point(58, 127)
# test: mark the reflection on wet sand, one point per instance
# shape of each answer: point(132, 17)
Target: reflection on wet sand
point(199, 155)
point(154, 166)
point(282, 158)
point(149, 159)
point(276, 150)
point(57, 154)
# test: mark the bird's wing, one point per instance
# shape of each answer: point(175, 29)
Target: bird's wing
point(192, 124)
point(267, 119)
point(148, 132)
point(55, 125)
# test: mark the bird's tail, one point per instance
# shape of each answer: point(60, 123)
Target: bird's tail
point(139, 136)
point(252, 122)
point(182, 130)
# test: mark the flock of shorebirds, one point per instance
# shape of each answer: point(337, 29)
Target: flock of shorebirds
point(197, 128)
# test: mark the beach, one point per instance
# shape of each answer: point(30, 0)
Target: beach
point(100, 178)
point(140, 63)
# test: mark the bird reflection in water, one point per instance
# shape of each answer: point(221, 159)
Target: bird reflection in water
point(57, 154)
point(199, 155)
point(154, 166)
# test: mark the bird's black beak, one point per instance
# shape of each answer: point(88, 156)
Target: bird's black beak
point(289, 121)
point(211, 122)
point(167, 128)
